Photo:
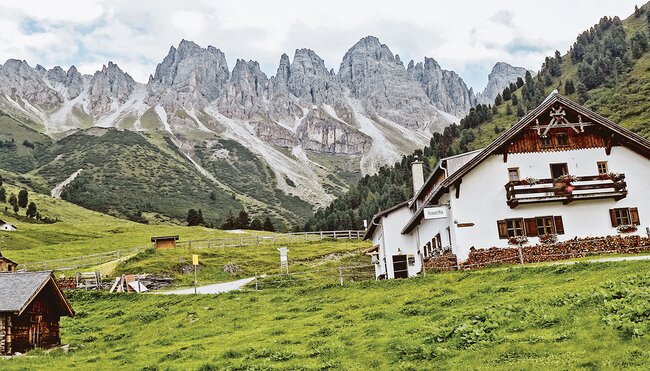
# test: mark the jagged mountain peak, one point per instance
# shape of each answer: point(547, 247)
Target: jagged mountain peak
point(502, 75)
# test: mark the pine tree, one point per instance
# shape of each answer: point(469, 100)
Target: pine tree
point(515, 100)
point(506, 94)
point(3, 195)
point(13, 201)
point(583, 95)
point(23, 198)
point(498, 100)
point(230, 222)
point(520, 82)
point(199, 218)
point(256, 224)
point(508, 109)
point(1, 181)
point(520, 111)
point(243, 220)
point(268, 225)
point(192, 217)
point(569, 88)
point(31, 210)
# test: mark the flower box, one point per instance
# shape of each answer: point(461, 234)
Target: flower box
point(626, 228)
point(517, 240)
point(548, 239)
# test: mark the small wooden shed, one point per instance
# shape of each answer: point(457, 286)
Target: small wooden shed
point(7, 265)
point(31, 305)
point(164, 242)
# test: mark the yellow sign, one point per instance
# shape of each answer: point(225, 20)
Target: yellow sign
point(195, 259)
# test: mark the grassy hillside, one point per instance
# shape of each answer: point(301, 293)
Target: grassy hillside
point(261, 260)
point(79, 231)
point(592, 316)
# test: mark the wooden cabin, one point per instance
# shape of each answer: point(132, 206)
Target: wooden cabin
point(31, 305)
point(7, 265)
point(164, 242)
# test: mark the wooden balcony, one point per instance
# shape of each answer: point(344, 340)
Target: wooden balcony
point(578, 188)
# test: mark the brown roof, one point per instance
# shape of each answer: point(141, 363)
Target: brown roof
point(154, 239)
point(632, 140)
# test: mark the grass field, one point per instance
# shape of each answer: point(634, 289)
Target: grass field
point(584, 316)
point(81, 231)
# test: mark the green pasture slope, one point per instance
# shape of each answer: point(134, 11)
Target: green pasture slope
point(583, 316)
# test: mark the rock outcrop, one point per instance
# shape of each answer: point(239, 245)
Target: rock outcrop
point(501, 76)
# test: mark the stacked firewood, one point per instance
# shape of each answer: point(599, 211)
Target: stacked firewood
point(576, 248)
point(444, 262)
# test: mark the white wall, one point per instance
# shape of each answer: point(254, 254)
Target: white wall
point(483, 197)
point(389, 238)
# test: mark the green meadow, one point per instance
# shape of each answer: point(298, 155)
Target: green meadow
point(583, 316)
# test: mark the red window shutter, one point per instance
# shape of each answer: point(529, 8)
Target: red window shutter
point(531, 227)
point(634, 216)
point(503, 229)
point(559, 225)
point(612, 216)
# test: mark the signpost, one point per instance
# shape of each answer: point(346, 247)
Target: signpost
point(284, 259)
point(435, 212)
point(195, 263)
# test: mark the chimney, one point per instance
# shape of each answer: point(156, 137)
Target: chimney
point(418, 175)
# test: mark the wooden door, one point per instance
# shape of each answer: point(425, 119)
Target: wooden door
point(400, 266)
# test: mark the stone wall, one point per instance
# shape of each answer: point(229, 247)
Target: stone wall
point(3, 334)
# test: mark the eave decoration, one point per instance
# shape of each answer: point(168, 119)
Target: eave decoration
point(559, 120)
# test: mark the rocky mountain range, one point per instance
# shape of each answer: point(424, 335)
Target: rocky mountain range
point(303, 122)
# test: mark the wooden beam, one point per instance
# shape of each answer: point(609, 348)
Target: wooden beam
point(609, 144)
point(505, 154)
point(458, 187)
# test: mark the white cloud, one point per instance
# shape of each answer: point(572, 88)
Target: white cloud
point(465, 36)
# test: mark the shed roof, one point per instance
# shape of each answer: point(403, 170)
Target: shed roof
point(154, 239)
point(18, 290)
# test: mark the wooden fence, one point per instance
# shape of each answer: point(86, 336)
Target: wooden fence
point(275, 239)
point(245, 240)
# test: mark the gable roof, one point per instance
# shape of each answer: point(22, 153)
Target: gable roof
point(19, 289)
point(633, 140)
point(164, 238)
point(373, 226)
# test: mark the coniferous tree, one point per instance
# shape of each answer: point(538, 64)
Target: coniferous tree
point(520, 111)
point(268, 225)
point(3, 195)
point(230, 222)
point(13, 201)
point(569, 88)
point(199, 218)
point(23, 198)
point(506, 94)
point(191, 217)
point(243, 220)
point(508, 109)
point(498, 100)
point(31, 210)
point(520, 82)
point(515, 100)
point(256, 224)
point(583, 95)
point(1, 181)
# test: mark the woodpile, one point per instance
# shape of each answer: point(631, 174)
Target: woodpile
point(576, 248)
point(67, 283)
point(444, 262)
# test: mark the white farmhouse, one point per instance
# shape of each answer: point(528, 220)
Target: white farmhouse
point(4, 226)
point(561, 171)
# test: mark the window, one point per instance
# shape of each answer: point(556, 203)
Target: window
point(624, 216)
point(546, 141)
point(513, 174)
point(545, 225)
point(602, 167)
point(536, 226)
point(557, 170)
point(515, 227)
point(562, 139)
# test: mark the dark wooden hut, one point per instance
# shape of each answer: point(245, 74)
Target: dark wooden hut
point(31, 305)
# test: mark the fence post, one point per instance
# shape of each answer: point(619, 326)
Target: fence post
point(341, 275)
point(306, 238)
point(334, 234)
point(521, 255)
point(349, 235)
point(256, 285)
point(258, 239)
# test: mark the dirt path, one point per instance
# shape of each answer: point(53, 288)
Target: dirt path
point(216, 288)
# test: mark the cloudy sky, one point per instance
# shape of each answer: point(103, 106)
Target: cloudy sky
point(465, 36)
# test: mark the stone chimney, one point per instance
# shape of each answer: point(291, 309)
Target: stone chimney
point(418, 175)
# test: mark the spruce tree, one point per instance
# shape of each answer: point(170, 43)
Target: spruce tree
point(498, 100)
point(583, 95)
point(23, 198)
point(520, 111)
point(230, 221)
point(3, 195)
point(268, 225)
point(1, 181)
point(256, 224)
point(31, 210)
point(506, 94)
point(199, 218)
point(243, 220)
point(508, 109)
point(569, 88)
point(13, 201)
point(515, 100)
point(192, 216)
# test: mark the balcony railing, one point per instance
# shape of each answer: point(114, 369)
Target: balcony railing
point(569, 189)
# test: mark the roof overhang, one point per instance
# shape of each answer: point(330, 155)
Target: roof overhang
point(63, 301)
point(164, 238)
point(374, 222)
